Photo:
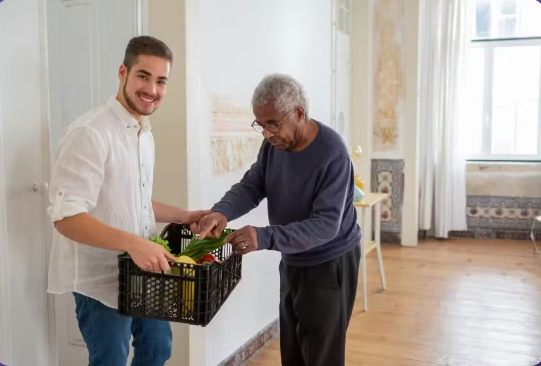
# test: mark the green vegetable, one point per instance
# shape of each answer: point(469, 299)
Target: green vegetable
point(198, 248)
point(163, 243)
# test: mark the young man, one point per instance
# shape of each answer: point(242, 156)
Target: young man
point(305, 172)
point(101, 206)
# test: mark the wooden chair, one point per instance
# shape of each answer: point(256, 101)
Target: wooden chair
point(368, 244)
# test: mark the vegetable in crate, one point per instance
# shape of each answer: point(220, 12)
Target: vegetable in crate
point(207, 258)
point(188, 287)
point(198, 248)
point(163, 243)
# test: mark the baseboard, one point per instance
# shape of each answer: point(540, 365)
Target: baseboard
point(249, 348)
point(493, 233)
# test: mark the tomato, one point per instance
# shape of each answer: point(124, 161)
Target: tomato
point(207, 258)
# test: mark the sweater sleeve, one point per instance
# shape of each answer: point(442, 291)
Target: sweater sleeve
point(245, 195)
point(324, 222)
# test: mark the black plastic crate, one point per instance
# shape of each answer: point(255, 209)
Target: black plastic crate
point(192, 295)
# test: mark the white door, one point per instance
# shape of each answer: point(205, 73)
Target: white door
point(24, 336)
point(86, 43)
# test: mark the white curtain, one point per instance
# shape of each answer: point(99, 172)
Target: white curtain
point(442, 167)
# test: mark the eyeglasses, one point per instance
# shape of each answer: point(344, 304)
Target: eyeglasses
point(271, 127)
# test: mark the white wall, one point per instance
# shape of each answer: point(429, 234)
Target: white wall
point(166, 21)
point(24, 336)
point(361, 84)
point(365, 41)
point(232, 45)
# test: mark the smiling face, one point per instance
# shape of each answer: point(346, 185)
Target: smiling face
point(143, 86)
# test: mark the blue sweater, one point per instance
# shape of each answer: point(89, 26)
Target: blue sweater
point(310, 200)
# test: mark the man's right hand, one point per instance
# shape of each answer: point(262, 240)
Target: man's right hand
point(150, 256)
point(212, 225)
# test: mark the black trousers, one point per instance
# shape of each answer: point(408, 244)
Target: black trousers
point(315, 308)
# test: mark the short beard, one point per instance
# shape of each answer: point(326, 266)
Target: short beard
point(131, 103)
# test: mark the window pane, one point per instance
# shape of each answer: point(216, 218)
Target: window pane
point(527, 127)
point(508, 27)
point(515, 100)
point(530, 18)
point(507, 18)
point(472, 127)
point(503, 131)
point(509, 7)
point(482, 18)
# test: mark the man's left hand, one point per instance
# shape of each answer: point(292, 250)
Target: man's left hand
point(243, 240)
point(192, 218)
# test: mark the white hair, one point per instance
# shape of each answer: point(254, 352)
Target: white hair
point(282, 91)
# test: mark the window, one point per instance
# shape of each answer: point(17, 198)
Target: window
point(504, 81)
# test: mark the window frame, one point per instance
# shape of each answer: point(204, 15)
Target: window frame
point(489, 45)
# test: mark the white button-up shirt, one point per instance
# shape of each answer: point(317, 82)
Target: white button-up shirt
point(103, 166)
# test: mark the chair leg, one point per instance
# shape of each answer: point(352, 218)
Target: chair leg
point(377, 239)
point(366, 235)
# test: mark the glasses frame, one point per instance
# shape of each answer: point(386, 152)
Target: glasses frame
point(260, 127)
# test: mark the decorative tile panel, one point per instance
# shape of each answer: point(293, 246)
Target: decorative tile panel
point(388, 177)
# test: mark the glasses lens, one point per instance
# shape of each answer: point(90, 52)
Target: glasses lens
point(272, 128)
point(256, 126)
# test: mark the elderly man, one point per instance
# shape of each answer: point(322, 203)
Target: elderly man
point(305, 172)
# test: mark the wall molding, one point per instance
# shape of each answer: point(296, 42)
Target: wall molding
point(250, 348)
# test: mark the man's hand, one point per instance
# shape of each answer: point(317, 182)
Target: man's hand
point(193, 218)
point(212, 225)
point(150, 256)
point(243, 240)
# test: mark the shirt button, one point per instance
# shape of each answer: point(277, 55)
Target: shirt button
point(143, 185)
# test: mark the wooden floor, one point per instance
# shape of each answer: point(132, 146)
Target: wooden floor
point(458, 302)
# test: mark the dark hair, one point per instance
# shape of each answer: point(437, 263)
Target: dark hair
point(146, 45)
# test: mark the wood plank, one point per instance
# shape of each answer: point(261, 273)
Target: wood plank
point(457, 302)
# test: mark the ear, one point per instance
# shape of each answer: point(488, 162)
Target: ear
point(122, 73)
point(301, 113)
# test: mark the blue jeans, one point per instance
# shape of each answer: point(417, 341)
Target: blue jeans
point(107, 335)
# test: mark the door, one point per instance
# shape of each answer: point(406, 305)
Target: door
point(24, 336)
point(86, 43)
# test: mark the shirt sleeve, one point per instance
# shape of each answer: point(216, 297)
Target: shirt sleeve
point(324, 222)
point(77, 174)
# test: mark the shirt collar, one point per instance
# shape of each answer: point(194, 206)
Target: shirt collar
point(126, 118)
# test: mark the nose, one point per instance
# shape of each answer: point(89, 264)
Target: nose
point(150, 89)
point(267, 134)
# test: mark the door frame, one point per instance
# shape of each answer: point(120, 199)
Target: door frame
point(141, 28)
point(5, 301)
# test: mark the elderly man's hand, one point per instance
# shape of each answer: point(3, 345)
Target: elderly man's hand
point(212, 225)
point(243, 240)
